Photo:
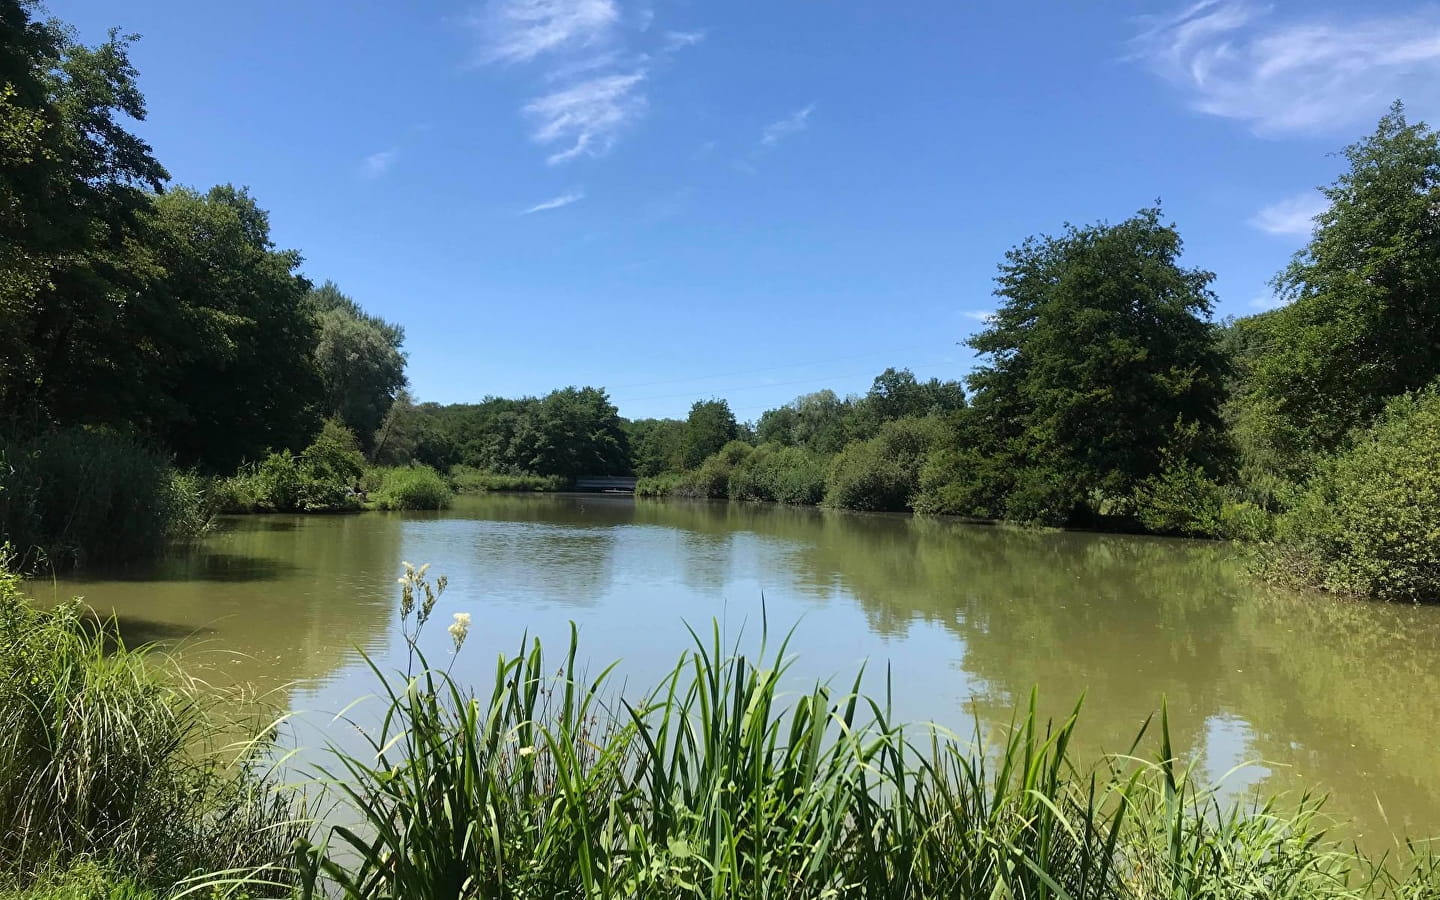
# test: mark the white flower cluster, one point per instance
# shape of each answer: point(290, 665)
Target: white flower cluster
point(459, 629)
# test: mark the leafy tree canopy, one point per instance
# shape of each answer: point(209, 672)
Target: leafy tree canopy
point(74, 185)
point(1101, 359)
point(710, 426)
point(1363, 324)
point(231, 340)
point(361, 366)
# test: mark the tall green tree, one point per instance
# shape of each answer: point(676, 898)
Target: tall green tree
point(658, 445)
point(361, 365)
point(818, 421)
point(229, 367)
point(1363, 324)
point(710, 426)
point(572, 432)
point(897, 394)
point(1102, 367)
point(74, 187)
point(407, 435)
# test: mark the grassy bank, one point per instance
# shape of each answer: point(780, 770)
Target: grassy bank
point(331, 475)
point(112, 770)
point(470, 480)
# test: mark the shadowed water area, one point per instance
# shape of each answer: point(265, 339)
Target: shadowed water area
point(1300, 692)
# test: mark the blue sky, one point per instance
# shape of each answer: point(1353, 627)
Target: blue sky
point(749, 200)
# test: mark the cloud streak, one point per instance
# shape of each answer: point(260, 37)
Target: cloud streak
point(792, 124)
point(586, 118)
point(1291, 217)
point(594, 78)
point(773, 135)
point(1236, 60)
point(521, 30)
point(555, 203)
point(679, 40)
point(377, 164)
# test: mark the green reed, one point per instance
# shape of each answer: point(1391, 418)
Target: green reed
point(720, 782)
point(110, 757)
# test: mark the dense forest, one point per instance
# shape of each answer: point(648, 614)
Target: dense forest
point(163, 361)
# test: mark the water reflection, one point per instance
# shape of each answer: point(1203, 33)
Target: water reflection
point(963, 617)
point(267, 601)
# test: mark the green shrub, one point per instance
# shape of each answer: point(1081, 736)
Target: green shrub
point(1369, 521)
point(1241, 520)
point(955, 480)
point(77, 496)
point(334, 455)
point(663, 485)
point(240, 493)
point(280, 482)
point(412, 487)
point(779, 474)
point(1182, 499)
point(712, 479)
point(1043, 496)
point(864, 477)
point(322, 478)
point(882, 473)
point(470, 480)
point(107, 756)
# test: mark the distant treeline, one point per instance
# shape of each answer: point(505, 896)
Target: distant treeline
point(163, 359)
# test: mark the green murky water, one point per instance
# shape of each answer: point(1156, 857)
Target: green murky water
point(1298, 691)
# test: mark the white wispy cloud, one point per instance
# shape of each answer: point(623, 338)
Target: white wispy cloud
point(679, 40)
point(587, 116)
point(772, 135)
point(521, 30)
point(594, 73)
point(377, 164)
point(979, 315)
point(1238, 60)
point(794, 123)
point(555, 202)
point(1291, 217)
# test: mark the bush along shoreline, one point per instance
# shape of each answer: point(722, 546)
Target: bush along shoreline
point(720, 781)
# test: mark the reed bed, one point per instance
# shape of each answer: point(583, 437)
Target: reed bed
point(111, 762)
point(470, 480)
point(722, 783)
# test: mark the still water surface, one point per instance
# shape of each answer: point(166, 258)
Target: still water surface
point(1299, 692)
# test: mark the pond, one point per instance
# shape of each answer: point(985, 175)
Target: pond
point(1292, 692)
